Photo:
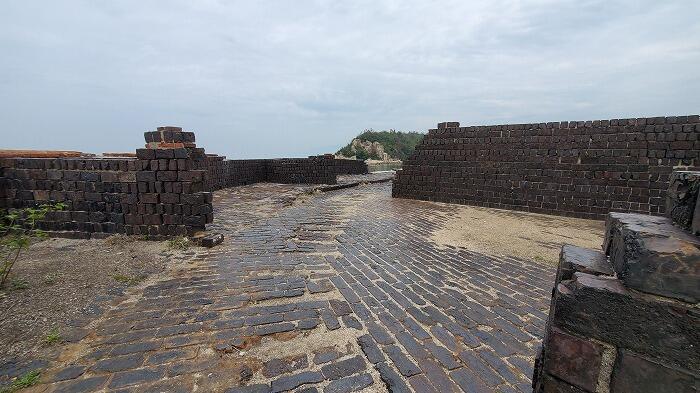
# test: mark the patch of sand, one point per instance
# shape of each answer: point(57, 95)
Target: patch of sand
point(530, 236)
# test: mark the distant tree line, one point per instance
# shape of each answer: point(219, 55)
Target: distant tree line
point(397, 144)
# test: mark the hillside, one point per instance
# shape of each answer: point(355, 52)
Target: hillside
point(372, 144)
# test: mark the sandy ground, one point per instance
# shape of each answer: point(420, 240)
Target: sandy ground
point(60, 280)
point(535, 237)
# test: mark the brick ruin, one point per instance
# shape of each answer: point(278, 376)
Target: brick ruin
point(583, 169)
point(163, 190)
point(625, 318)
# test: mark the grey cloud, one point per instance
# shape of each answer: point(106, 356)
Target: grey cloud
point(283, 78)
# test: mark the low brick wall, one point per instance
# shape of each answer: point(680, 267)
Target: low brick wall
point(625, 319)
point(583, 169)
point(164, 191)
point(222, 173)
point(159, 197)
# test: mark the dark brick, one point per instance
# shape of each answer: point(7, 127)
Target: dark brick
point(370, 348)
point(394, 382)
point(573, 359)
point(119, 363)
point(405, 366)
point(276, 367)
point(258, 388)
point(70, 372)
point(134, 377)
point(637, 374)
point(294, 381)
point(349, 384)
point(344, 368)
point(82, 385)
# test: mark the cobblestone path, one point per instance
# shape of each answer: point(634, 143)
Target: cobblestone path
point(335, 292)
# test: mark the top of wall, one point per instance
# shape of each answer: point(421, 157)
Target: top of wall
point(447, 128)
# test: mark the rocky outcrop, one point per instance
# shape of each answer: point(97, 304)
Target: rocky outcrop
point(374, 149)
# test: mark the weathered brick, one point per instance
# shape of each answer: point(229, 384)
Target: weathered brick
point(635, 373)
point(573, 359)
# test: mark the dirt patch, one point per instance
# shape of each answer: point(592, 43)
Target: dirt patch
point(536, 237)
point(59, 281)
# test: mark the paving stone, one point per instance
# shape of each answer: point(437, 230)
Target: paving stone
point(325, 355)
point(349, 384)
point(294, 381)
point(380, 334)
point(393, 380)
point(167, 356)
point(123, 349)
point(119, 363)
point(340, 308)
point(421, 384)
point(479, 366)
point(468, 381)
point(133, 377)
point(329, 319)
point(276, 367)
point(82, 385)
point(344, 368)
point(370, 348)
point(405, 366)
point(263, 319)
point(351, 322)
point(274, 328)
point(70, 372)
point(308, 390)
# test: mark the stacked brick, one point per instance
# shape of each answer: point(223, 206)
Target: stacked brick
point(222, 173)
point(98, 193)
point(312, 170)
point(161, 192)
point(349, 167)
point(583, 169)
point(172, 196)
point(625, 319)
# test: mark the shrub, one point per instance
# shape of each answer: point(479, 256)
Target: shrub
point(17, 230)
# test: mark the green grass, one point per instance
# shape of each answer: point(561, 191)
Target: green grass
point(18, 284)
point(53, 337)
point(29, 379)
point(179, 243)
point(50, 278)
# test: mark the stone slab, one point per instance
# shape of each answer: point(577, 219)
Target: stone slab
point(585, 260)
point(634, 373)
point(602, 308)
point(682, 196)
point(652, 255)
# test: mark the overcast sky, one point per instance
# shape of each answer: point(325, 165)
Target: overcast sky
point(294, 78)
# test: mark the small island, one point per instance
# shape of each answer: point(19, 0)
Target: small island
point(382, 150)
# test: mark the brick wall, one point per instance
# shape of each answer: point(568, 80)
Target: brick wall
point(222, 173)
point(583, 169)
point(624, 318)
point(163, 191)
point(156, 197)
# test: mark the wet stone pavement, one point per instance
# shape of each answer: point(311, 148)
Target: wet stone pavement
point(327, 292)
